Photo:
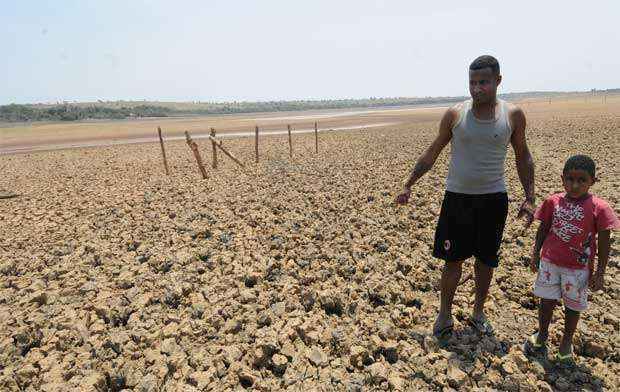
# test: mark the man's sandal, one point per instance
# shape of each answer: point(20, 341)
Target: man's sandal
point(482, 326)
point(444, 333)
point(532, 347)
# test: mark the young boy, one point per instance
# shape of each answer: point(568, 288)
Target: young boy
point(564, 252)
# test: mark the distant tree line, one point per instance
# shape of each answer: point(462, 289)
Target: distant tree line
point(283, 106)
point(74, 112)
point(66, 112)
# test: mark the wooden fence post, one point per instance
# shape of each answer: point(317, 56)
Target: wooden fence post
point(219, 145)
point(214, 149)
point(194, 147)
point(163, 151)
point(316, 138)
point(290, 142)
point(256, 143)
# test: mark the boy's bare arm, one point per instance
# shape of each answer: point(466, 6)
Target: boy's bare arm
point(604, 244)
point(541, 234)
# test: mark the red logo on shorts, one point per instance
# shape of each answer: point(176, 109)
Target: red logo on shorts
point(447, 245)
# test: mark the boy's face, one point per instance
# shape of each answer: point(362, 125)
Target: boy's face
point(577, 182)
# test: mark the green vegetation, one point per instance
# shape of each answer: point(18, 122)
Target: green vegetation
point(66, 112)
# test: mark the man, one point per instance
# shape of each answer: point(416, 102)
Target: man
point(475, 206)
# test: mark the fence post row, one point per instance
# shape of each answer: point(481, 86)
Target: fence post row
point(217, 144)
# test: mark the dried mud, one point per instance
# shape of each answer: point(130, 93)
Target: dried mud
point(297, 274)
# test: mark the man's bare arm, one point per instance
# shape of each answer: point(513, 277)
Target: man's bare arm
point(420, 168)
point(523, 157)
point(428, 158)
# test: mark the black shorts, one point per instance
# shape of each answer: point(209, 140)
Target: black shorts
point(471, 225)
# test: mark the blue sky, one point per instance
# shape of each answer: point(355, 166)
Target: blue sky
point(263, 50)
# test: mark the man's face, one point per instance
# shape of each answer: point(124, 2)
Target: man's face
point(483, 85)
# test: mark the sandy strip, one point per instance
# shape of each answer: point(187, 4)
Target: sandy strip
point(204, 135)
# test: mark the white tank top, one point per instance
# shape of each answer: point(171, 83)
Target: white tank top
point(479, 151)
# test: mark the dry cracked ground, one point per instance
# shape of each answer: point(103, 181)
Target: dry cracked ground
point(298, 275)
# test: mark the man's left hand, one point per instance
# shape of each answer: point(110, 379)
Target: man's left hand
point(526, 210)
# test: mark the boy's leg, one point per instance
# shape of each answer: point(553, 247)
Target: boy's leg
point(575, 296)
point(545, 312)
point(571, 319)
point(547, 288)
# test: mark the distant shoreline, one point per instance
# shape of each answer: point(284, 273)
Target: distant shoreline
point(18, 114)
point(266, 114)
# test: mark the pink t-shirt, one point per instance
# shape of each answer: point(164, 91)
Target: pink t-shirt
point(571, 241)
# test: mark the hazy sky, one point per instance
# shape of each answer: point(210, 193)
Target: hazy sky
point(263, 50)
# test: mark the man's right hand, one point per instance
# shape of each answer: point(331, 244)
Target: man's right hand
point(403, 198)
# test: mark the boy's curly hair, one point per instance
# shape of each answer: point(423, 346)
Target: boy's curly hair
point(581, 162)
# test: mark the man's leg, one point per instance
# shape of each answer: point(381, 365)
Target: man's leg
point(491, 212)
point(454, 238)
point(484, 275)
point(450, 277)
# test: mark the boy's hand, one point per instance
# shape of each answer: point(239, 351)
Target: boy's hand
point(597, 281)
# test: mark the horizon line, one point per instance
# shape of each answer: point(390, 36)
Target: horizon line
point(198, 101)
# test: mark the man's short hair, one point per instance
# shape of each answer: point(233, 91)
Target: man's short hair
point(485, 61)
point(580, 162)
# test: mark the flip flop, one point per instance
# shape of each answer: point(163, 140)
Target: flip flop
point(532, 347)
point(444, 333)
point(565, 359)
point(482, 326)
